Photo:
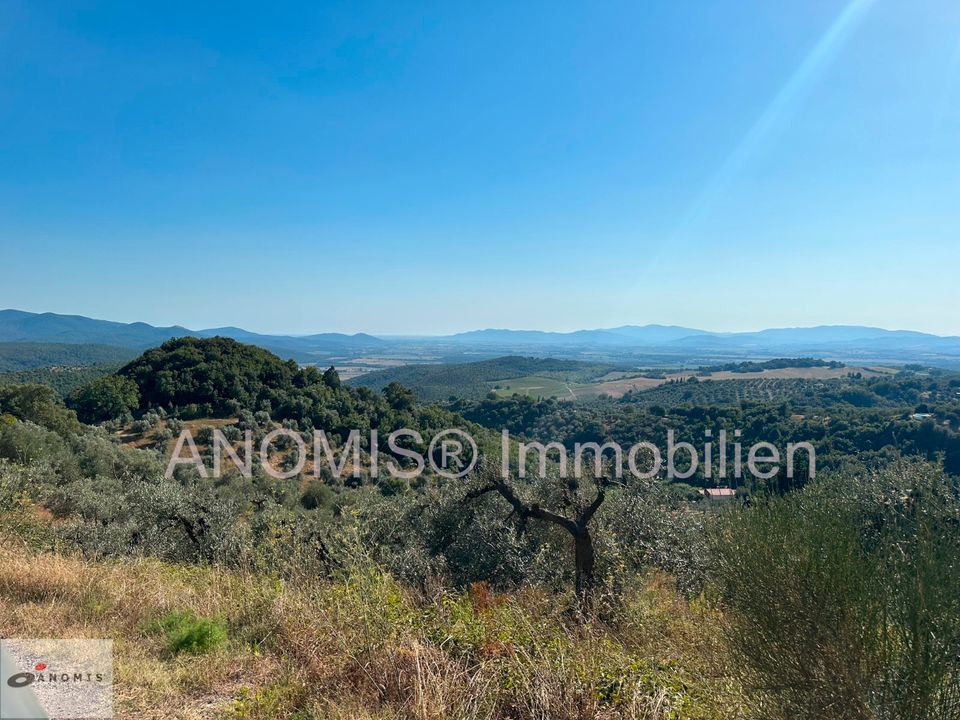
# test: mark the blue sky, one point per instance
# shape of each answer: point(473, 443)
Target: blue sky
point(431, 167)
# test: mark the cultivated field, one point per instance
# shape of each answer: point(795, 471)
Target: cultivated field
point(535, 386)
point(616, 384)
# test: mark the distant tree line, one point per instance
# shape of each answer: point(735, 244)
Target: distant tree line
point(750, 366)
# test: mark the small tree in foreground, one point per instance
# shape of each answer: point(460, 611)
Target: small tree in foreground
point(576, 509)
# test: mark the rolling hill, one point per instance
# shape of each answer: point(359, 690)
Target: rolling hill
point(19, 326)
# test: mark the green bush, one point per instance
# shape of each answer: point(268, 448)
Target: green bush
point(843, 598)
point(11, 485)
point(38, 404)
point(184, 632)
point(317, 495)
point(26, 442)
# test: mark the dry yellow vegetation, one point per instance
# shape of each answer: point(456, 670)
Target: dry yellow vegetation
point(364, 646)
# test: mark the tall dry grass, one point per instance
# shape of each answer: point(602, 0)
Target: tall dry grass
point(364, 646)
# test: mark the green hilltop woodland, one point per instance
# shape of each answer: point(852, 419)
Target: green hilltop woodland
point(19, 356)
point(63, 379)
point(220, 377)
point(514, 599)
point(64, 367)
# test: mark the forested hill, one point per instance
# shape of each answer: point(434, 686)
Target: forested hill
point(216, 376)
point(220, 377)
point(474, 380)
point(19, 356)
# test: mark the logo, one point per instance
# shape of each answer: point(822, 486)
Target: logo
point(23, 679)
point(56, 678)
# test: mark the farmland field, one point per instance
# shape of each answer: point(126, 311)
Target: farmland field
point(619, 386)
point(617, 383)
point(535, 386)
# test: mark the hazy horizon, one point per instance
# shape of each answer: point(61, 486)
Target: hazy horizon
point(320, 330)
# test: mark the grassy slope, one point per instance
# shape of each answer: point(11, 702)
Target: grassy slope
point(363, 646)
point(532, 385)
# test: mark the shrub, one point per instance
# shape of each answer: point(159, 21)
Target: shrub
point(11, 485)
point(317, 495)
point(38, 404)
point(184, 632)
point(25, 442)
point(843, 597)
point(141, 426)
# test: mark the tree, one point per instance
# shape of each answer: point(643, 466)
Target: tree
point(331, 377)
point(576, 522)
point(106, 398)
point(399, 397)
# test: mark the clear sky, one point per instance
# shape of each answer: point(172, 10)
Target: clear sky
point(427, 167)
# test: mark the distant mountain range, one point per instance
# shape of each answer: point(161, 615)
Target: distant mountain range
point(19, 326)
point(835, 341)
point(846, 341)
point(657, 335)
point(638, 335)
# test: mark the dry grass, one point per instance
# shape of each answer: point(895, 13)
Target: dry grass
point(366, 647)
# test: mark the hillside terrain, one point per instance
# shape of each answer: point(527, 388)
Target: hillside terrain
point(383, 597)
point(62, 378)
point(19, 356)
point(579, 380)
point(384, 360)
point(436, 382)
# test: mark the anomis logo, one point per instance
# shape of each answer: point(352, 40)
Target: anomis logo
point(43, 674)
